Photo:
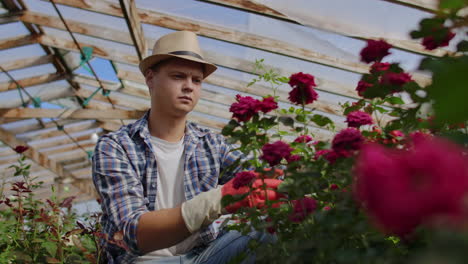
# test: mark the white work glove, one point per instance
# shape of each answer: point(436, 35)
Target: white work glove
point(202, 210)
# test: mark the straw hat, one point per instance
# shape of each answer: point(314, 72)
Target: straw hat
point(180, 44)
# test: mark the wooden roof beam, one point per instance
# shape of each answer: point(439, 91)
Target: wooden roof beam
point(31, 81)
point(17, 41)
point(132, 18)
point(319, 23)
point(69, 113)
point(27, 62)
point(226, 34)
point(121, 37)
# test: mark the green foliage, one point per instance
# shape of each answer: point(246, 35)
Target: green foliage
point(339, 230)
point(38, 231)
point(449, 87)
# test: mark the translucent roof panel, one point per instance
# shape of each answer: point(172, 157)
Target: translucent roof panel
point(22, 52)
point(28, 72)
point(77, 14)
point(14, 29)
point(102, 67)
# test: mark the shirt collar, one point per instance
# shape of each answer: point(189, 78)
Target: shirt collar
point(192, 131)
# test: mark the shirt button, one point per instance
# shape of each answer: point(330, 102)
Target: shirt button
point(153, 185)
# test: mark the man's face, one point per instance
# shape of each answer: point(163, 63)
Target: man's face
point(175, 86)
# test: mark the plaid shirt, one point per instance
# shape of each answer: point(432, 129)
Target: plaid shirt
point(125, 172)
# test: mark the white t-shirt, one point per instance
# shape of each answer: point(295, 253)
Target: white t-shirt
point(170, 192)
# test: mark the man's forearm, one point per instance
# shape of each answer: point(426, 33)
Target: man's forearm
point(161, 229)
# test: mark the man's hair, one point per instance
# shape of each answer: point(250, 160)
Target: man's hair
point(155, 68)
point(158, 65)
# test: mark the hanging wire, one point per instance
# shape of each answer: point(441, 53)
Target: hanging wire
point(105, 92)
point(59, 127)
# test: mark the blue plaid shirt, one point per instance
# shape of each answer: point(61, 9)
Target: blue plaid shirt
point(125, 172)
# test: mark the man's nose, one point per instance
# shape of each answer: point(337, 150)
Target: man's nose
point(188, 85)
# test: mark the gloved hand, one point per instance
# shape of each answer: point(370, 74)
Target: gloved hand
point(206, 207)
point(263, 189)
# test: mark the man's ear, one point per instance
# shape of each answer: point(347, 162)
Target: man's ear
point(149, 73)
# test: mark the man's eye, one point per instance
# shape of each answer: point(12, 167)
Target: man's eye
point(197, 81)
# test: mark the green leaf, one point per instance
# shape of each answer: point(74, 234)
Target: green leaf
point(286, 120)
point(449, 88)
point(452, 4)
point(283, 79)
point(394, 100)
point(227, 130)
point(300, 118)
point(51, 248)
point(462, 46)
point(321, 120)
point(381, 109)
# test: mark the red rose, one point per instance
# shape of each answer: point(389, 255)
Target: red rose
point(268, 104)
point(431, 43)
point(21, 149)
point(333, 186)
point(300, 78)
point(245, 108)
point(303, 95)
point(303, 91)
point(302, 208)
point(362, 87)
point(243, 178)
point(396, 79)
point(379, 67)
point(404, 189)
point(358, 118)
point(303, 139)
point(322, 152)
point(375, 50)
point(273, 153)
point(346, 140)
point(293, 158)
point(330, 155)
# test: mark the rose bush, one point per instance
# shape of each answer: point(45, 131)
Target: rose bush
point(392, 187)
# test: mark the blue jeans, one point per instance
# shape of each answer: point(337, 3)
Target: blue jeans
point(228, 245)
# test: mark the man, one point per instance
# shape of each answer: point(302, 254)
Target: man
point(158, 177)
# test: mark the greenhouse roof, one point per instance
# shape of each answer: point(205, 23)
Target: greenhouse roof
point(70, 67)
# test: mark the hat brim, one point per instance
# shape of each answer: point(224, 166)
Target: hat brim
point(149, 61)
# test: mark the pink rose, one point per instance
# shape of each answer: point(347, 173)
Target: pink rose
point(419, 136)
point(303, 91)
point(302, 208)
point(379, 67)
point(273, 153)
point(362, 87)
point(375, 50)
point(358, 118)
point(243, 178)
point(404, 189)
point(348, 139)
point(303, 139)
point(268, 104)
point(396, 134)
point(244, 108)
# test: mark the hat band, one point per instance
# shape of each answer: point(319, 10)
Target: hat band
point(187, 53)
